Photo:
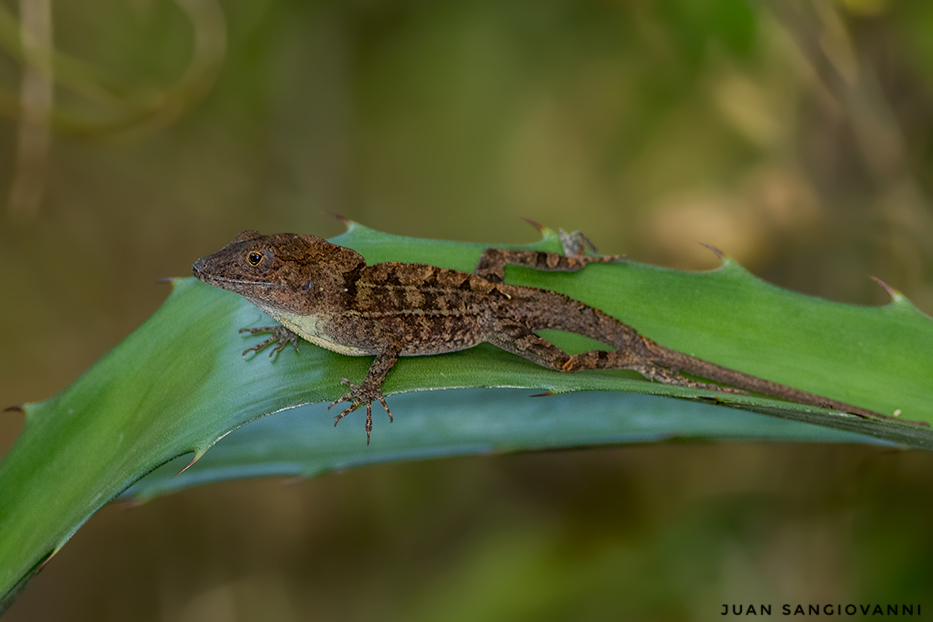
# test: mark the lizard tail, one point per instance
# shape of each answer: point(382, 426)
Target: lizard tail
point(718, 373)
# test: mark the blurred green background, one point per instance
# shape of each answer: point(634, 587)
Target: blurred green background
point(797, 136)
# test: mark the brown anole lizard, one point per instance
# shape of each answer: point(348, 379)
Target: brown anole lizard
point(326, 294)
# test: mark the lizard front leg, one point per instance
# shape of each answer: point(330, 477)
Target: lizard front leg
point(370, 389)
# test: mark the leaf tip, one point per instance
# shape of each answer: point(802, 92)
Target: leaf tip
point(721, 255)
point(546, 232)
point(197, 456)
point(534, 223)
point(48, 558)
point(346, 221)
point(895, 295)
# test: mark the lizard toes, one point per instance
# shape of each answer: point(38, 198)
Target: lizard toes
point(345, 398)
point(382, 400)
point(346, 411)
point(369, 420)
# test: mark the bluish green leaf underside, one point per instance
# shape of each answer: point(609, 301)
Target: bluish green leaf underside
point(178, 384)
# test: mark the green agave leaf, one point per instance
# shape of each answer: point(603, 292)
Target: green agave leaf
point(178, 384)
point(302, 442)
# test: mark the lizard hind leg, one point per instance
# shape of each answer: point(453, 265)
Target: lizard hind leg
point(518, 339)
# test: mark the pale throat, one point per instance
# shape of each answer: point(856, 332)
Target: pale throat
point(309, 327)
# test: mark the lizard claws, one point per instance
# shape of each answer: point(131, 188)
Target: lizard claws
point(280, 334)
point(360, 395)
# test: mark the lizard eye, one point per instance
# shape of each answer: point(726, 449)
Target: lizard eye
point(254, 258)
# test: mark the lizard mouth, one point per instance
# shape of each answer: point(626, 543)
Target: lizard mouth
point(198, 271)
point(203, 273)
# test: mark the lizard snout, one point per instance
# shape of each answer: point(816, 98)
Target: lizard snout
point(198, 268)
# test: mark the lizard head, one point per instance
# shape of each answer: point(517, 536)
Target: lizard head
point(297, 273)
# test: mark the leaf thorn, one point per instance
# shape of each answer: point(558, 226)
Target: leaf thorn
point(47, 559)
point(197, 456)
point(534, 223)
point(339, 217)
point(715, 250)
point(895, 295)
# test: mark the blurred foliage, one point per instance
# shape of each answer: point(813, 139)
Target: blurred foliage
point(795, 135)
